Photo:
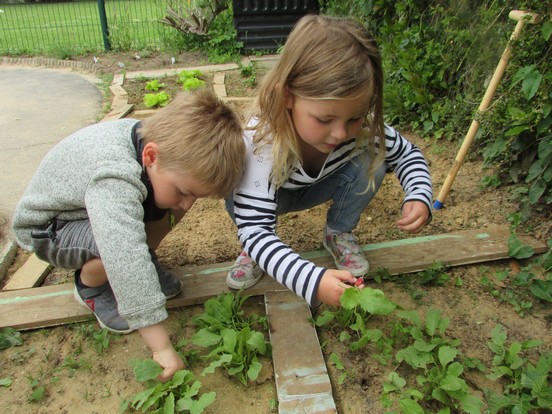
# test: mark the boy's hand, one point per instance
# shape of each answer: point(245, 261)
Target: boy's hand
point(157, 339)
point(333, 284)
point(415, 216)
point(169, 361)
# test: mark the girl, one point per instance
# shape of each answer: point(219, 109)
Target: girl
point(319, 135)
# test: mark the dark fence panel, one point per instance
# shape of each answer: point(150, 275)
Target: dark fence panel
point(73, 27)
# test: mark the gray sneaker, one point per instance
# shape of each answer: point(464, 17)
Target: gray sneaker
point(170, 284)
point(101, 301)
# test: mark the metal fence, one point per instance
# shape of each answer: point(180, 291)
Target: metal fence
point(75, 27)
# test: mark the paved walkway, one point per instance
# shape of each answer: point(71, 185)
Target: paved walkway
point(38, 108)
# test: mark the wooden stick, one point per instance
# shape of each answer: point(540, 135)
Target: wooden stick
point(521, 17)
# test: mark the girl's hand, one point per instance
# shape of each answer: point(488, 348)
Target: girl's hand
point(333, 284)
point(415, 216)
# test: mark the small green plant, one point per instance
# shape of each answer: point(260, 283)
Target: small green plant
point(249, 72)
point(192, 83)
point(10, 337)
point(336, 361)
point(38, 391)
point(358, 306)
point(229, 335)
point(152, 100)
point(439, 372)
point(434, 275)
point(6, 382)
point(191, 79)
point(154, 85)
point(526, 386)
point(180, 394)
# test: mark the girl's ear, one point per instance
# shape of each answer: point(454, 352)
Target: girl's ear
point(288, 96)
point(149, 154)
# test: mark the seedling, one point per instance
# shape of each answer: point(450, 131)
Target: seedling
point(527, 386)
point(435, 359)
point(180, 394)
point(232, 342)
point(37, 389)
point(10, 337)
point(336, 361)
point(358, 307)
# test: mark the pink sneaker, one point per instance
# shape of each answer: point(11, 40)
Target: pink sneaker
point(244, 274)
point(346, 252)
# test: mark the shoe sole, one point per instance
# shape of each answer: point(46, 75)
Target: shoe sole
point(355, 273)
point(238, 286)
point(83, 304)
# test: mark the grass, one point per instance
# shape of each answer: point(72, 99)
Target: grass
point(65, 29)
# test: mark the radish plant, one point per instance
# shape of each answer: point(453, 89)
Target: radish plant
point(526, 387)
point(180, 394)
point(358, 306)
point(439, 370)
point(228, 334)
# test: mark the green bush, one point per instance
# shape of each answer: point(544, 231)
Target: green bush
point(438, 57)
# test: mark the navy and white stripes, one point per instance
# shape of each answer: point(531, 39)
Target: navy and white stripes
point(255, 205)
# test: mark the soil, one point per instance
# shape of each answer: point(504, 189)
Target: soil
point(77, 379)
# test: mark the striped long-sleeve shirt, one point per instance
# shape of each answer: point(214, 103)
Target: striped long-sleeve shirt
point(255, 202)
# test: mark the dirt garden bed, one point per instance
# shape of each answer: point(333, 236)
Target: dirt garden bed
point(75, 378)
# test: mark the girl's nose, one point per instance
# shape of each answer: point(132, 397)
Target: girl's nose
point(340, 132)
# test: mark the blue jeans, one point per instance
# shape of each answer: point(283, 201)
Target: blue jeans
point(346, 187)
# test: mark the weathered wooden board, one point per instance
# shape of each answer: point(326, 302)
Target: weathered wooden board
point(54, 305)
point(31, 274)
point(302, 381)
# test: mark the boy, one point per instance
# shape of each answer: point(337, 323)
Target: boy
point(103, 198)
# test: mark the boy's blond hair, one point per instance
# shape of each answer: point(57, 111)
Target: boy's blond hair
point(326, 58)
point(199, 135)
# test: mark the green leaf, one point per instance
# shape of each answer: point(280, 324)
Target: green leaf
point(432, 321)
point(547, 30)
point(256, 342)
point(334, 359)
point(146, 369)
point(410, 406)
point(324, 319)
point(452, 383)
point(204, 401)
point(471, 404)
point(10, 337)
point(537, 190)
point(5, 382)
point(542, 289)
point(205, 338)
point(254, 370)
point(447, 354)
point(169, 404)
point(375, 302)
point(517, 249)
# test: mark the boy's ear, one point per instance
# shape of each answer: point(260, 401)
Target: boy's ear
point(149, 154)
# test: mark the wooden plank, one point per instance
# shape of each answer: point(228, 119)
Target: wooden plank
point(302, 381)
point(31, 274)
point(54, 305)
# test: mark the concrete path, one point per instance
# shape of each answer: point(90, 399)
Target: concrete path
point(38, 108)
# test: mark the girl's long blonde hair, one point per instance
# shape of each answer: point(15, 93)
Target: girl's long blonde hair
point(324, 58)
